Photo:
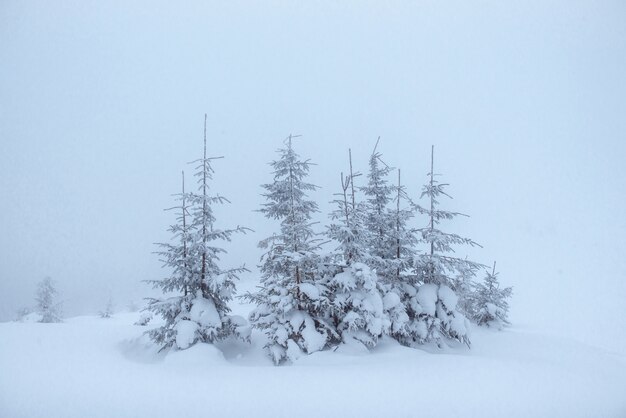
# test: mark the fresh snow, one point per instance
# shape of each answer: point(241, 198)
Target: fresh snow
point(448, 297)
point(185, 333)
point(427, 298)
point(89, 367)
point(204, 312)
point(313, 339)
point(391, 300)
point(310, 290)
point(345, 280)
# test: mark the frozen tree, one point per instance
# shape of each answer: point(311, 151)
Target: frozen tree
point(108, 310)
point(23, 313)
point(400, 286)
point(357, 308)
point(292, 299)
point(463, 285)
point(378, 218)
point(347, 222)
point(403, 236)
point(358, 305)
point(198, 290)
point(434, 306)
point(490, 305)
point(47, 305)
point(389, 241)
point(177, 258)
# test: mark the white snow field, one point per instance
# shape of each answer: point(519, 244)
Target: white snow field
point(94, 367)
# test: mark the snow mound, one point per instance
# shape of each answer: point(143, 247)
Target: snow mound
point(185, 333)
point(391, 300)
point(31, 317)
point(427, 298)
point(77, 368)
point(204, 312)
point(194, 358)
point(310, 290)
point(345, 280)
point(448, 297)
point(313, 339)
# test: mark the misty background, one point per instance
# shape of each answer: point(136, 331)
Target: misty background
point(102, 106)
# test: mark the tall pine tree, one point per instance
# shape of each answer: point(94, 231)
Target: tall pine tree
point(435, 305)
point(401, 283)
point(390, 241)
point(357, 308)
point(292, 300)
point(378, 220)
point(198, 290)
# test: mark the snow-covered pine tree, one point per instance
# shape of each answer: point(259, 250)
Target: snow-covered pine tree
point(47, 305)
point(378, 218)
point(402, 235)
point(197, 311)
point(357, 308)
point(347, 222)
point(490, 305)
point(292, 300)
point(390, 242)
point(435, 304)
point(178, 260)
point(214, 287)
point(463, 285)
point(108, 309)
point(402, 283)
point(22, 313)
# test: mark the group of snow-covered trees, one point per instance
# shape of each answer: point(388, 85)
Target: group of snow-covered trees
point(373, 272)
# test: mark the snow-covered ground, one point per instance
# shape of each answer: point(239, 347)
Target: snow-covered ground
point(94, 367)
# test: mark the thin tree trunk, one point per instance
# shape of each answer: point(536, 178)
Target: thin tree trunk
point(432, 213)
point(345, 183)
point(352, 181)
point(184, 207)
point(293, 223)
point(398, 229)
point(204, 220)
point(344, 187)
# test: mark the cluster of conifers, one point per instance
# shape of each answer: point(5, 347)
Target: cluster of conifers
point(383, 277)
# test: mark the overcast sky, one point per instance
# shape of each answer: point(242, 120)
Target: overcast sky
point(102, 104)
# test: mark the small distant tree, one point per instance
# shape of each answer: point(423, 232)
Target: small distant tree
point(107, 312)
point(47, 305)
point(490, 302)
point(292, 300)
point(22, 313)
